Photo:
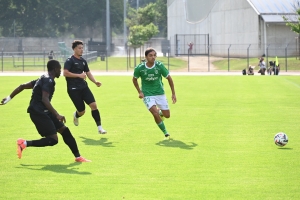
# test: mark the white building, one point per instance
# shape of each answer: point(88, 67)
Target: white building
point(252, 27)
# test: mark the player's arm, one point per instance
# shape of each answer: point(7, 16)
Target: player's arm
point(46, 102)
point(137, 87)
point(69, 74)
point(171, 83)
point(16, 91)
point(91, 77)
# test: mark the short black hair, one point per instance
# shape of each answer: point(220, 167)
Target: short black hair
point(148, 50)
point(75, 43)
point(52, 64)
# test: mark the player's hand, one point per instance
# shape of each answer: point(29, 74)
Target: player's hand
point(83, 76)
point(61, 118)
point(2, 102)
point(98, 83)
point(5, 100)
point(141, 95)
point(174, 99)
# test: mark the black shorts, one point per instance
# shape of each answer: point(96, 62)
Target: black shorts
point(79, 96)
point(45, 123)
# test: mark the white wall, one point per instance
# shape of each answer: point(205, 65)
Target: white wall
point(230, 22)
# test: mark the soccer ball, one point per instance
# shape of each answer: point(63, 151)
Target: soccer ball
point(281, 139)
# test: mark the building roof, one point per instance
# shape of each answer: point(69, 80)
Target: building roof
point(273, 10)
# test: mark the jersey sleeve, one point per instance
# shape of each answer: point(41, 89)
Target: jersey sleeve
point(68, 64)
point(86, 67)
point(136, 73)
point(33, 82)
point(164, 70)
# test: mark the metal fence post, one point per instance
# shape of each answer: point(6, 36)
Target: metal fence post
point(229, 58)
point(188, 61)
point(2, 59)
point(44, 59)
point(106, 59)
point(23, 58)
point(208, 54)
point(285, 57)
point(248, 56)
point(267, 56)
point(169, 58)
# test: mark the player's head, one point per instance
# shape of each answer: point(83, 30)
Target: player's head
point(150, 54)
point(77, 46)
point(54, 65)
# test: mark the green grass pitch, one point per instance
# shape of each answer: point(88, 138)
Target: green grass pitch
point(222, 130)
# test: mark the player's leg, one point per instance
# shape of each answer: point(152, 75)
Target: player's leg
point(71, 143)
point(76, 97)
point(45, 128)
point(150, 103)
point(90, 100)
point(163, 106)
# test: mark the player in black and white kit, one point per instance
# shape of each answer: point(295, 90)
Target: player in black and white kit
point(45, 118)
point(76, 70)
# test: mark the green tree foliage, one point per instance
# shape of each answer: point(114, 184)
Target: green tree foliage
point(52, 18)
point(293, 24)
point(140, 23)
point(161, 8)
point(141, 26)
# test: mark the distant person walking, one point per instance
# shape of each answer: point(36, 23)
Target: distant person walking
point(76, 70)
point(51, 55)
point(190, 49)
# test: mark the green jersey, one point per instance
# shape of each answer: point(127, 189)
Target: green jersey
point(151, 78)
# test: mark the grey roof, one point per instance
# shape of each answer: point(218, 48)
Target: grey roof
point(274, 6)
point(273, 10)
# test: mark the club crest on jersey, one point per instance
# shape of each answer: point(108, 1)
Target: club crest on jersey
point(83, 63)
point(50, 80)
point(156, 72)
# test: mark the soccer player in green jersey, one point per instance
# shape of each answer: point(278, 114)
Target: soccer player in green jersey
point(152, 90)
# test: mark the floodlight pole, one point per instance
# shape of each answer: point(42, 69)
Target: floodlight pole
point(125, 28)
point(107, 28)
point(228, 58)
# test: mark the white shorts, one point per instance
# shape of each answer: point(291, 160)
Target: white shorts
point(160, 101)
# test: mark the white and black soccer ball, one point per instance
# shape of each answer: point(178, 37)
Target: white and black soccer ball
point(281, 139)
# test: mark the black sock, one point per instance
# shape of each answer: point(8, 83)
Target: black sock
point(70, 141)
point(96, 116)
point(76, 114)
point(43, 142)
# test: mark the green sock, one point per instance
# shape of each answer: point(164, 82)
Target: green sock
point(162, 127)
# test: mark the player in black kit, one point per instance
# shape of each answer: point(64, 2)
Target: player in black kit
point(76, 70)
point(45, 118)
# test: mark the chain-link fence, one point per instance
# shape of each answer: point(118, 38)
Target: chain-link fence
point(31, 54)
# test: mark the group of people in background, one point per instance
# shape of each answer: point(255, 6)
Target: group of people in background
point(48, 121)
point(273, 68)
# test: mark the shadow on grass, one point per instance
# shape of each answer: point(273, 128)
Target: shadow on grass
point(103, 142)
point(67, 169)
point(177, 144)
point(285, 148)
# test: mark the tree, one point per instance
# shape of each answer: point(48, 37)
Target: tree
point(141, 28)
point(53, 18)
point(293, 21)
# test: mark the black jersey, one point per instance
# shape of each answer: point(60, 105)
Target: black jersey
point(33, 82)
point(44, 83)
point(76, 66)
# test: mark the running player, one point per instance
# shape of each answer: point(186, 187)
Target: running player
point(43, 115)
point(75, 70)
point(152, 90)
